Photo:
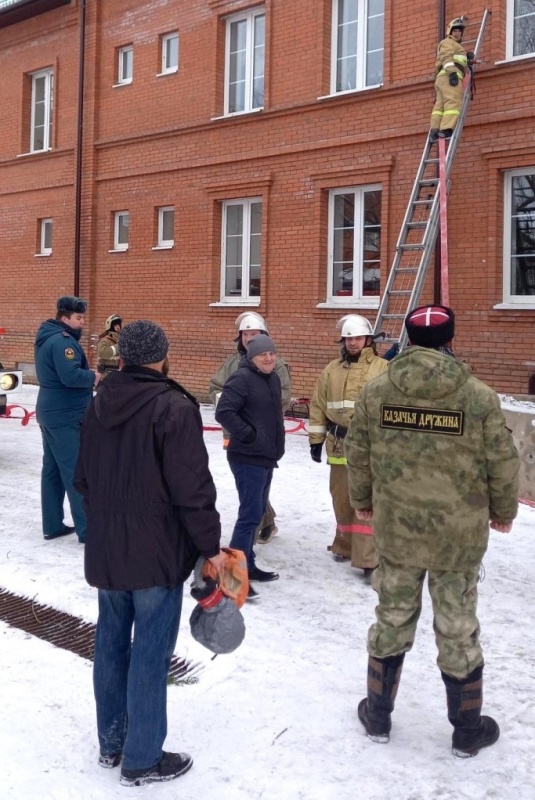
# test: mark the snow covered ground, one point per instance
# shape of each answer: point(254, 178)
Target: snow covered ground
point(276, 720)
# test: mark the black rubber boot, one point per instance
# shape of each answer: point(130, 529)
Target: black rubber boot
point(471, 730)
point(433, 134)
point(446, 133)
point(375, 710)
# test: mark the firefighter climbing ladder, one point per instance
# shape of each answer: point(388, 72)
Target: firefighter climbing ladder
point(417, 237)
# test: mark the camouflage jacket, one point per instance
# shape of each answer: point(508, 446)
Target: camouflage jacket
point(334, 397)
point(428, 449)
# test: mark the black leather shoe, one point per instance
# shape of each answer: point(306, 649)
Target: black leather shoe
point(65, 532)
point(252, 594)
point(257, 574)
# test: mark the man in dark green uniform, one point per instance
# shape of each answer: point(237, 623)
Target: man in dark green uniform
point(430, 459)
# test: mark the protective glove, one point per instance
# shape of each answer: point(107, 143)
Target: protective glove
point(453, 79)
point(315, 452)
point(470, 57)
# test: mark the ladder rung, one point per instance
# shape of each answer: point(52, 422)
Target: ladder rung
point(428, 182)
point(432, 160)
point(406, 270)
point(411, 247)
point(399, 292)
point(394, 316)
point(423, 202)
point(413, 225)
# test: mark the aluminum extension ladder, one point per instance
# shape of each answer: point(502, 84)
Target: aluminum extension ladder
point(420, 226)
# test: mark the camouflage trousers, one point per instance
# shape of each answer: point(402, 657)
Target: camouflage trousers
point(454, 599)
point(267, 520)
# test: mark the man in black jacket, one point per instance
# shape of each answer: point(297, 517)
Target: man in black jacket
point(150, 503)
point(250, 410)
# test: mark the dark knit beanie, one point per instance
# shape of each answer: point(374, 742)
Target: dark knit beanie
point(430, 326)
point(142, 342)
point(260, 344)
point(71, 305)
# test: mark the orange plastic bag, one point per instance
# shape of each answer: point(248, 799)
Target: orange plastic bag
point(233, 579)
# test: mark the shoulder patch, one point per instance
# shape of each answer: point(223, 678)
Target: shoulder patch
point(428, 420)
point(69, 354)
point(64, 333)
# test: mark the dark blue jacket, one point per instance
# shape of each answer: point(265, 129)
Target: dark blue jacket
point(250, 409)
point(65, 380)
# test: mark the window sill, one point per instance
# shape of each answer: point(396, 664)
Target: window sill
point(349, 91)
point(349, 302)
point(242, 301)
point(35, 153)
point(119, 250)
point(167, 72)
point(163, 247)
point(42, 255)
point(123, 83)
point(237, 114)
point(514, 59)
point(528, 305)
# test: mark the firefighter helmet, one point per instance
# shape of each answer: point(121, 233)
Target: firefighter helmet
point(112, 320)
point(458, 22)
point(354, 325)
point(251, 321)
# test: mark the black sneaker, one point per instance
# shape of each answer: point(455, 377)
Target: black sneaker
point(257, 574)
point(169, 767)
point(63, 532)
point(252, 594)
point(109, 761)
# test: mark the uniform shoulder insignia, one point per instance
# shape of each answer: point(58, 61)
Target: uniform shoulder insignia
point(69, 353)
point(64, 333)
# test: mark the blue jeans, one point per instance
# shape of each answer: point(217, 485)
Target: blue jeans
point(130, 677)
point(60, 454)
point(253, 484)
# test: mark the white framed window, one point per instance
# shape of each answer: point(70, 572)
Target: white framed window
point(121, 225)
point(241, 249)
point(357, 49)
point(42, 110)
point(519, 238)
point(166, 226)
point(45, 238)
point(125, 64)
point(354, 252)
point(244, 62)
point(520, 28)
point(169, 45)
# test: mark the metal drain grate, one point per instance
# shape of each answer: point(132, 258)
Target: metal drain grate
point(73, 634)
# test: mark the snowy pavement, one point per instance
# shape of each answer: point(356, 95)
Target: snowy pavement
point(276, 720)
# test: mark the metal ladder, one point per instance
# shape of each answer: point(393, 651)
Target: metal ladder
point(418, 233)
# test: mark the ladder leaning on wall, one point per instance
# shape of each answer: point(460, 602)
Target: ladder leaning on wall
point(420, 225)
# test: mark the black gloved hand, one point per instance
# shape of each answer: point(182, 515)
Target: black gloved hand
point(470, 57)
point(207, 593)
point(315, 452)
point(453, 79)
point(249, 439)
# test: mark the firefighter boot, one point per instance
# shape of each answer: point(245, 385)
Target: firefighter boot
point(471, 730)
point(433, 134)
point(445, 133)
point(375, 710)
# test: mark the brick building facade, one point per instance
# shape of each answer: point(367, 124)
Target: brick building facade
point(232, 155)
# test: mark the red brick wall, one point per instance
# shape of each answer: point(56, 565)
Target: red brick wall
point(157, 142)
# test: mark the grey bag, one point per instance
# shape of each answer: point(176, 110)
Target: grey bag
point(216, 621)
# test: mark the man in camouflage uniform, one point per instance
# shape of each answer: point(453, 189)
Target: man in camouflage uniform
point(250, 324)
point(430, 458)
point(108, 348)
point(331, 408)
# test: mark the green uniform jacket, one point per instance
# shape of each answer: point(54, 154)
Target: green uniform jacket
point(230, 365)
point(428, 449)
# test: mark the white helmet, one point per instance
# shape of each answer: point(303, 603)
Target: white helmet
point(112, 320)
point(251, 321)
point(354, 325)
